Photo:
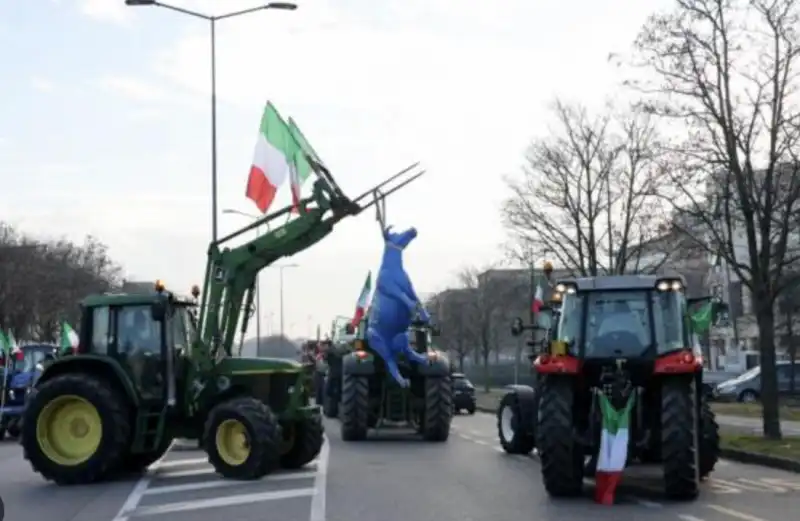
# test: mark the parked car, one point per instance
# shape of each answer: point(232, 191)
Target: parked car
point(747, 386)
point(463, 394)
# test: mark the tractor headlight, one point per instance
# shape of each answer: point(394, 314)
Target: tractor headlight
point(291, 390)
point(12, 394)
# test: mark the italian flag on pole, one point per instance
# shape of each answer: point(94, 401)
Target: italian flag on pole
point(277, 156)
point(361, 305)
point(69, 339)
point(538, 299)
point(303, 169)
point(613, 449)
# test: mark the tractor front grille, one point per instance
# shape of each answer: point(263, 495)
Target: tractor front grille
point(280, 390)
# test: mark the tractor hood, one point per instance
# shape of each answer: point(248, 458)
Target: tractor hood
point(246, 365)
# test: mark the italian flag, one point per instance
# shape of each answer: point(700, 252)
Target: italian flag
point(361, 305)
point(613, 449)
point(538, 299)
point(302, 171)
point(69, 339)
point(277, 156)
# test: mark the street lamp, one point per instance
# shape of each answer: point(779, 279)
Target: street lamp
point(285, 6)
point(231, 211)
point(281, 268)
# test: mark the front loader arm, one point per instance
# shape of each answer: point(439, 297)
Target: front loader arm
point(231, 272)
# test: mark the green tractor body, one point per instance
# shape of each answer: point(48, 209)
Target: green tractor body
point(628, 341)
point(153, 366)
point(369, 398)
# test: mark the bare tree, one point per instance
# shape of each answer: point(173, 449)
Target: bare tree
point(723, 74)
point(451, 315)
point(483, 304)
point(588, 193)
point(42, 282)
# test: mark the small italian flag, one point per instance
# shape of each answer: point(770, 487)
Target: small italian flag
point(613, 449)
point(538, 299)
point(69, 339)
point(361, 305)
point(278, 155)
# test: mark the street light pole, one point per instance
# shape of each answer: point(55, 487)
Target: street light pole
point(285, 6)
point(280, 291)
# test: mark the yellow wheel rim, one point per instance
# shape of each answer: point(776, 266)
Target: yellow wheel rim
point(69, 430)
point(233, 445)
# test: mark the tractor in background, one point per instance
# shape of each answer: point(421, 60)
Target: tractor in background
point(154, 366)
point(341, 343)
point(27, 365)
point(620, 336)
point(371, 399)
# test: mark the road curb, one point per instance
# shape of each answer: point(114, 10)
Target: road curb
point(741, 456)
point(763, 460)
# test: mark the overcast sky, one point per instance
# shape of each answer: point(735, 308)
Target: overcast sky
point(104, 123)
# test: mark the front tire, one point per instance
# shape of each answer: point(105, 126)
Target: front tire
point(330, 399)
point(562, 458)
point(242, 439)
point(354, 413)
point(98, 424)
point(510, 421)
point(307, 443)
point(679, 438)
point(438, 409)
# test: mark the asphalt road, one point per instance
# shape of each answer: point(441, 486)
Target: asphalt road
point(389, 478)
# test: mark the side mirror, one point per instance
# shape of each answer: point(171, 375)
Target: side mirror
point(517, 327)
point(158, 310)
point(349, 329)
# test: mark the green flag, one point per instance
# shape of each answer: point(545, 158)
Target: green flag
point(702, 317)
point(5, 344)
point(302, 168)
point(69, 338)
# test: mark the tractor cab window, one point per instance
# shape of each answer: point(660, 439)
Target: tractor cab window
point(671, 326)
point(570, 322)
point(617, 323)
point(34, 357)
point(181, 329)
point(137, 332)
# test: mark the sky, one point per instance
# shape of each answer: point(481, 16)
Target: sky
point(105, 124)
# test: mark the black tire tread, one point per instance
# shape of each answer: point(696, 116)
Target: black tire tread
point(263, 430)
point(522, 443)
point(438, 408)
point(561, 457)
point(111, 453)
point(709, 440)
point(354, 407)
point(308, 440)
point(679, 439)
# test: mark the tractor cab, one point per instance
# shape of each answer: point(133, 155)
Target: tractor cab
point(148, 334)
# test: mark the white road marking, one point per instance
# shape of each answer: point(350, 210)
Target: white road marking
point(170, 489)
point(648, 504)
point(687, 517)
point(139, 489)
point(734, 513)
point(320, 483)
point(217, 502)
point(182, 463)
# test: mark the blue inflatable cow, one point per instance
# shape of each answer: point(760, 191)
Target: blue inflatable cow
point(394, 305)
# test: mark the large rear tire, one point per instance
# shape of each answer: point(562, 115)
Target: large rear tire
point(438, 408)
point(307, 441)
point(709, 440)
point(679, 438)
point(75, 429)
point(242, 439)
point(561, 456)
point(354, 410)
point(514, 438)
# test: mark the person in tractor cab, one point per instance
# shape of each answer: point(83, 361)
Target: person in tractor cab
point(615, 323)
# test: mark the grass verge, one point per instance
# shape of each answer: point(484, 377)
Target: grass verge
point(787, 448)
point(746, 410)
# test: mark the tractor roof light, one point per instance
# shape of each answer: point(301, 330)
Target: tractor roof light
point(561, 288)
point(669, 285)
point(160, 286)
point(195, 291)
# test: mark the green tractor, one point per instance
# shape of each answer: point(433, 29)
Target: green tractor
point(152, 367)
point(626, 337)
point(370, 398)
point(341, 344)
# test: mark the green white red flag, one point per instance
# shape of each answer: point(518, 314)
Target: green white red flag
point(613, 454)
point(68, 341)
point(363, 299)
point(277, 156)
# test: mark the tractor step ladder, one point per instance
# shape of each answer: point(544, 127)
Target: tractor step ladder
point(150, 423)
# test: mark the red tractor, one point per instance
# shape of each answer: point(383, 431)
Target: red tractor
point(621, 336)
